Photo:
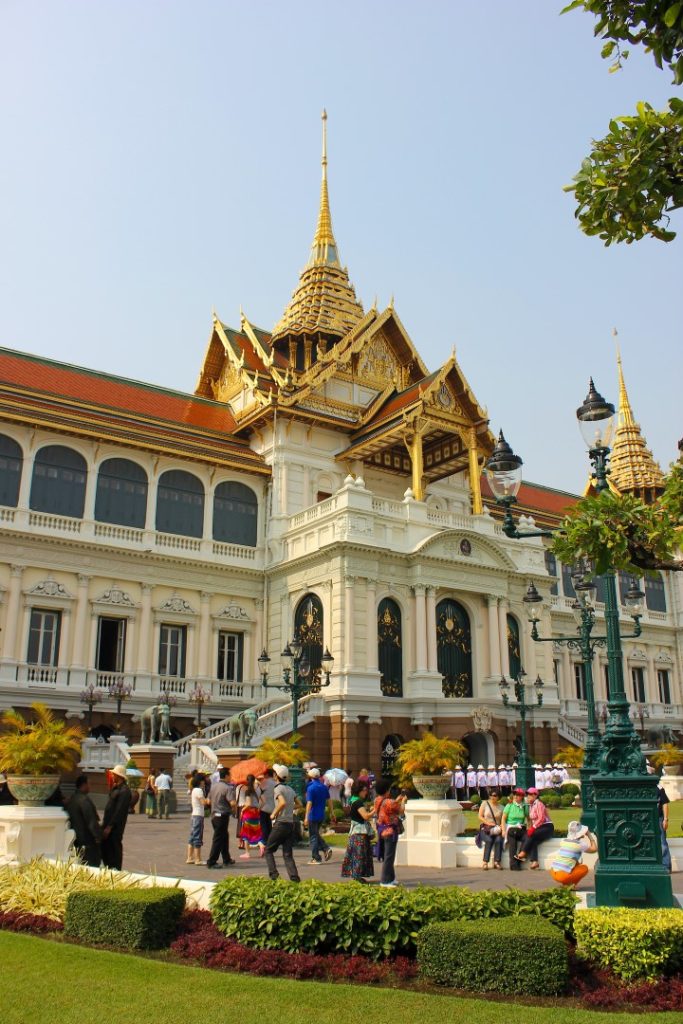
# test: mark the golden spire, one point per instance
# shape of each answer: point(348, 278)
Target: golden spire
point(324, 301)
point(633, 468)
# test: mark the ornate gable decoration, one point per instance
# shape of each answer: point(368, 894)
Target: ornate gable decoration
point(50, 588)
point(177, 604)
point(233, 611)
point(116, 596)
point(377, 364)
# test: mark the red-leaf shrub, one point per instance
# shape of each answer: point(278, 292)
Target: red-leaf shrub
point(199, 939)
point(18, 921)
point(598, 988)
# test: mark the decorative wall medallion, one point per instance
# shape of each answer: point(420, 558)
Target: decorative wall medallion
point(233, 611)
point(49, 588)
point(176, 604)
point(116, 596)
point(465, 547)
point(481, 717)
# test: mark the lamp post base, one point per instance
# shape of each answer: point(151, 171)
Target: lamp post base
point(630, 871)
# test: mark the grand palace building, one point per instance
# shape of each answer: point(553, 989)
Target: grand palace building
point(320, 480)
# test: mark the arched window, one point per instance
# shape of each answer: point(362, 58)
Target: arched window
point(454, 648)
point(308, 626)
point(10, 471)
point(655, 594)
point(180, 504)
point(121, 493)
point(58, 484)
point(551, 568)
point(514, 650)
point(390, 649)
point(235, 514)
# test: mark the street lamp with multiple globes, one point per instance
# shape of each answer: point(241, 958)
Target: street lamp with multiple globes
point(119, 691)
point(629, 871)
point(199, 697)
point(91, 696)
point(524, 776)
point(298, 681)
point(583, 609)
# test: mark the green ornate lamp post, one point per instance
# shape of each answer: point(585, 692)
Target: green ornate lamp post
point(525, 773)
point(199, 697)
point(583, 610)
point(298, 681)
point(629, 871)
point(119, 691)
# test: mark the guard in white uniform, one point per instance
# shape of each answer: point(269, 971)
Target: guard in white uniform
point(482, 782)
point(504, 779)
point(471, 780)
point(459, 783)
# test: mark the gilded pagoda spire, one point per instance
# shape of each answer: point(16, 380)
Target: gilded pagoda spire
point(324, 306)
point(633, 468)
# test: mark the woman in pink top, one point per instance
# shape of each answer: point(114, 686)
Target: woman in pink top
point(540, 828)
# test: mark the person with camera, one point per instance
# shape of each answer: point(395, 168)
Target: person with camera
point(515, 818)
point(491, 829)
point(389, 812)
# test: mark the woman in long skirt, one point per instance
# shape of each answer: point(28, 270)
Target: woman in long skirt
point(358, 860)
point(250, 819)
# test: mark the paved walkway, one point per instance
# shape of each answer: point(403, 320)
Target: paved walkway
point(158, 847)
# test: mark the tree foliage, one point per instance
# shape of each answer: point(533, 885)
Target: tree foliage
point(622, 532)
point(285, 752)
point(43, 746)
point(632, 179)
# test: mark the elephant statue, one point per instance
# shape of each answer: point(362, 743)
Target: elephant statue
point(158, 719)
point(242, 727)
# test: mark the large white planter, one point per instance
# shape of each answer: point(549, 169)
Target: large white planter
point(431, 830)
point(28, 832)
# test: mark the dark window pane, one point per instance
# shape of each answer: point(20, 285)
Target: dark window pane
point(180, 504)
point(58, 484)
point(235, 514)
point(10, 471)
point(121, 493)
point(390, 648)
point(664, 686)
point(308, 626)
point(454, 648)
point(567, 583)
point(172, 644)
point(43, 637)
point(655, 594)
point(551, 568)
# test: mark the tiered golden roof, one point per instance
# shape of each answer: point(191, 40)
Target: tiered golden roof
point(633, 467)
point(325, 300)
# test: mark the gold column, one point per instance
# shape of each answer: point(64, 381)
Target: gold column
point(415, 451)
point(475, 483)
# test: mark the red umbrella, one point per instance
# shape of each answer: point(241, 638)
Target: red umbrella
point(253, 766)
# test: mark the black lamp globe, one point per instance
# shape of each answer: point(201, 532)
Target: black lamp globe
point(533, 603)
point(634, 600)
point(504, 470)
point(596, 419)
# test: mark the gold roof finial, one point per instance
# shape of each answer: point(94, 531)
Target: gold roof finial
point(324, 248)
point(633, 468)
point(324, 301)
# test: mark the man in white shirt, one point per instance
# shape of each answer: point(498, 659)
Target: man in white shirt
point(504, 779)
point(459, 783)
point(481, 782)
point(539, 777)
point(492, 780)
point(162, 784)
point(471, 780)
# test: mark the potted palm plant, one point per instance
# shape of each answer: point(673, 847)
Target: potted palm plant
point(285, 752)
point(424, 761)
point(572, 758)
point(34, 753)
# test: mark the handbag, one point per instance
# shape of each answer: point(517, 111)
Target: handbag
point(478, 841)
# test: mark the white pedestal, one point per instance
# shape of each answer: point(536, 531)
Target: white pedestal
point(431, 828)
point(28, 832)
point(672, 786)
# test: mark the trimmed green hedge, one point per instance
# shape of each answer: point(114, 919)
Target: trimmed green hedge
point(129, 918)
point(633, 943)
point(319, 917)
point(511, 954)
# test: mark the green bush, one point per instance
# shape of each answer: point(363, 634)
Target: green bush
point(632, 943)
point(495, 955)
point(130, 919)
point(475, 799)
point(570, 787)
point(319, 917)
point(551, 800)
point(567, 799)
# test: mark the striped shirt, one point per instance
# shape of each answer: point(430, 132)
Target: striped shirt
point(569, 854)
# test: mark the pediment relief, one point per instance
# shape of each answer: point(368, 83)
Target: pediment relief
point(465, 548)
point(377, 364)
point(228, 383)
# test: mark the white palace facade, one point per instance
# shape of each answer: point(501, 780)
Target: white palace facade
point(321, 480)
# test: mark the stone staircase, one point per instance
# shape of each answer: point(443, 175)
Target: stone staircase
point(571, 732)
point(274, 719)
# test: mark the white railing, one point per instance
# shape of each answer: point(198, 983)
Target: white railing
point(454, 520)
point(234, 551)
point(309, 515)
point(64, 524)
point(6, 515)
point(178, 542)
point(125, 533)
point(571, 732)
point(218, 734)
point(104, 754)
point(387, 507)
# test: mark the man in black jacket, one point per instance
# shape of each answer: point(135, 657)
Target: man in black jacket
point(86, 823)
point(115, 818)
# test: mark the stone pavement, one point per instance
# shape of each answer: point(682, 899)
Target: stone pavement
point(158, 847)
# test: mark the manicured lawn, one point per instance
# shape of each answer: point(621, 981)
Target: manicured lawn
point(51, 980)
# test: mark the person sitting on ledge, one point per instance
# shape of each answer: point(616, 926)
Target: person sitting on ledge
point(540, 828)
point(567, 868)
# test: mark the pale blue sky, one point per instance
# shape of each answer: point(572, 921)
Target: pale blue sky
point(161, 158)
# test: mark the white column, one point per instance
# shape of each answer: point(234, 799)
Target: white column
point(503, 637)
point(420, 628)
point(568, 675)
point(349, 582)
point(307, 497)
point(64, 637)
point(151, 517)
point(259, 640)
point(26, 477)
point(191, 653)
point(651, 688)
point(90, 493)
point(204, 635)
point(494, 642)
point(431, 629)
point(143, 664)
point(130, 644)
point(371, 625)
point(81, 639)
point(207, 523)
point(284, 484)
point(11, 631)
